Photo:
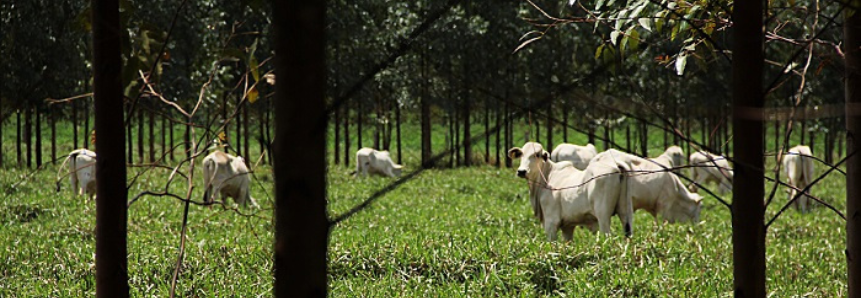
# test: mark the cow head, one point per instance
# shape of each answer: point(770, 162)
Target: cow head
point(532, 158)
point(677, 156)
point(397, 169)
point(683, 211)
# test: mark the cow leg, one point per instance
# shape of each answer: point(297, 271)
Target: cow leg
point(551, 225)
point(568, 233)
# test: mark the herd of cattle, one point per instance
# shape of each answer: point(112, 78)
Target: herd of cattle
point(568, 187)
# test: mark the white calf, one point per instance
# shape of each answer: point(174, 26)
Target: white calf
point(564, 197)
point(228, 176)
point(672, 157)
point(579, 156)
point(82, 172)
point(376, 162)
point(799, 171)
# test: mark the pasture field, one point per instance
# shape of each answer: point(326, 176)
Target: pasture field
point(465, 232)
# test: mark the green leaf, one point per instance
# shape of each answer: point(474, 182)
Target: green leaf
point(252, 61)
point(526, 43)
point(634, 42)
point(646, 24)
point(599, 4)
point(614, 36)
point(599, 51)
point(681, 62)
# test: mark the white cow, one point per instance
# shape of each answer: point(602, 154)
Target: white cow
point(372, 161)
point(710, 167)
point(228, 176)
point(579, 156)
point(82, 172)
point(654, 189)
point(672, 157)
point(564, 197)
point(799, 171)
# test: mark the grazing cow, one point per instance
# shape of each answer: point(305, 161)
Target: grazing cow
point(228, 176)
point(656, 190)
point(799, 171)
point(709, 167)
point(579, 156)
point(82, 172)
point(372, 161)
point(564, 197)
point(672, 157)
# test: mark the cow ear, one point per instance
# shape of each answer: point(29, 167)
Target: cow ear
point(545, 155)
point(515, 153)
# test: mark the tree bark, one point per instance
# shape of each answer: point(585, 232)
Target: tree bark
point(508, 133)
point(497, 121)
point(748, 235)
point(164, 133)
point(238, 122)
point(487, 130)
point(261, 135)
point(18, 137)
point(301, 224)
point(628, 137)
point(170, 135)
point(38, 124)
point(74, 107)
point(151, 114)
point(550, 125)
point(347, 155)
point(565, 122)
point(245, 146)
point(426, 129)
point(140, 133)
point(111, 194)
point(359, 115)
point(28, 134)
point(337, 136)
point(85, 133)
point(129, 137)
point(398, 130)
point(803, 131)
point(852, 43)
point(467, 137)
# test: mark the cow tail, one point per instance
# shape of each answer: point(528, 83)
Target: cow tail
point(626, 206)
point(207, 180)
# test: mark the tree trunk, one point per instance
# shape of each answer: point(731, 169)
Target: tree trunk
point(85, 133)
point(261, 135)
point(852, 42)
point(18, 137)
point(359, 113)
point(398, 130)
point(508, 133)
point(748, 235)
point(812, 142)
point(497, 121)
point(170, 135)
point(74, 107)
point(164, 134)
point(111, 193)
point(129, 138)
point(550, 125)
point(151, 114)
point(606, 136)
point(301, 224)
point(347, 155)
point(28, 134)
point(628, 137)
point(776, 136)
point(565, 122)
point(245, 146)
point(803, 132)
point(38, 124)
point(590, 133)
point(487, 130)
point(187, 137)
point(467, 137)
point(451, 132)
point(644, 139)
point(140, 133)
point(238, 122)
point(337, 125)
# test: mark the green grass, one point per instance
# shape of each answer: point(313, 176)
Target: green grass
point(448, 233)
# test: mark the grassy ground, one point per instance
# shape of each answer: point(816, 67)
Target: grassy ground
point(448, 233)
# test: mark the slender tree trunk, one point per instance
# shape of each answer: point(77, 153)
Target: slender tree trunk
point(38, 124)
point(487, 130)
point(776, 136)
point(852, 43)
point(18, 137)
point(129, 138)
point(111, 193)
point(347, 155)
point(1, 138)
point(508, 133)
point(28, 134)
point(140, 133)
point(164, 134)
point(238, 122)
point(812, 142)
point(467, 142)
point(359, 114)
point(803, 131)
point(187, 138)
point(451, 132)
point(261, 136)
point(550, 125)
point(151, 114)
point(246, 145)
point(590, 134)
point(337, 136)
point(644, 139)
point(398, 130)
point(628, 137)
point(85, 132)
point(499, 128)
point(170, 135)
point(606, 136)
point(565, 122)
point(748, 235)
point(74, 107)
